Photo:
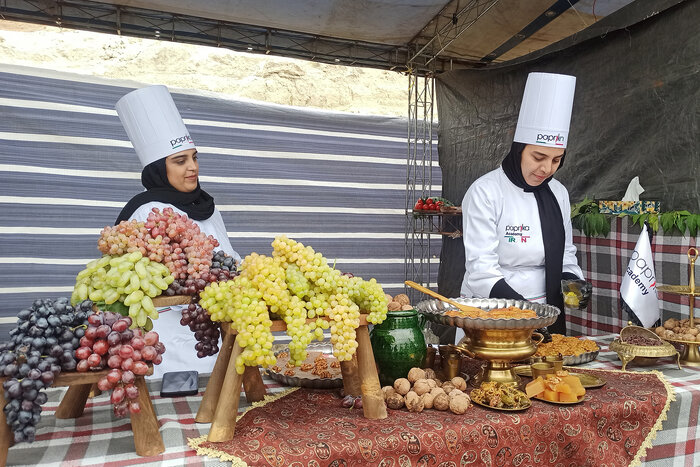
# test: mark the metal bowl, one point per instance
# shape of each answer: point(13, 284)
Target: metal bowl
point(310, 381)
point(434, 310)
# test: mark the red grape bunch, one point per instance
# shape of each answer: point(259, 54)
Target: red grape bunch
point(223, 269)
point(108, 342)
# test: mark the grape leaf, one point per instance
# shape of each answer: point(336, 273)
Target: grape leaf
point(116, 307)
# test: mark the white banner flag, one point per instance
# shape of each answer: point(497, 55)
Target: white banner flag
point(638, 287)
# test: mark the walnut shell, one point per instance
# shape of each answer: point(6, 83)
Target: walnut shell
point(448, 386)
point(454, 393)
point(393, 306)
point(395, 401)
point(441, 402)
point(459, 383)
point(431, 383)
point(429, 373)
point(428, 400)
point(421, 387)
point(659, 329)
point(670, 323)
point(460, 403)
point(402, 386)
point(436, 391)
point(388, 391)
point(414, 402)
point(414, 374)
point(403, 299)
point(406, 307)
point(388, 297)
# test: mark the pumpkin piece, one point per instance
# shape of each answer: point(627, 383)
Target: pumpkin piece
point(535, 387)
point(550, 395)
point(575, 383)
point(563, 397)
point(563, 388)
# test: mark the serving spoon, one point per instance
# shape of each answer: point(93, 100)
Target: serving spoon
point(459, 306)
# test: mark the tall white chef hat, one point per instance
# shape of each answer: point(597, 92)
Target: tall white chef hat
point(153, 123)
point(545, 113)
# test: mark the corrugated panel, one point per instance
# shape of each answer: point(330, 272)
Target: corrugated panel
point(330, 180)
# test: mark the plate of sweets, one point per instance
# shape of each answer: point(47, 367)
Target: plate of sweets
point(556, 388)
point(320, 369)
point(499, 396)
point(575, 350)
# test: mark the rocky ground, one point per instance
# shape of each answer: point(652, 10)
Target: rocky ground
point(250, 76)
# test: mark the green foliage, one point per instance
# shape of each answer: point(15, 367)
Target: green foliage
point(586, 217)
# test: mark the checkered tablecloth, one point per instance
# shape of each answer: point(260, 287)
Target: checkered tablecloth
point(678, 443)
point(98, 438)
point(604, 261)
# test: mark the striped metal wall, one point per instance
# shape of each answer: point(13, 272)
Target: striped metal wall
point(334, 181)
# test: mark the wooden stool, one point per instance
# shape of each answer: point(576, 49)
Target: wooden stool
point(221, 398)
point(144, 425)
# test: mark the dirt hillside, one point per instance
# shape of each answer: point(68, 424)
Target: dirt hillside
point(251, 76)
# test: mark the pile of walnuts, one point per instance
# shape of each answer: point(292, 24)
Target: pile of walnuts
point(399, 302)
point(422, 390)
point(675, 329)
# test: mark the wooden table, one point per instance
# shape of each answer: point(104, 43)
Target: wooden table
point(220, 401)
point(147, 438)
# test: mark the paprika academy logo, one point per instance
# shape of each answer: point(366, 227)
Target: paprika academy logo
point(177, 142)
point(557, 139)
point(514, 232)
point(641, 273)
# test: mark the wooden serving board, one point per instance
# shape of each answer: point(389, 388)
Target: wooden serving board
point(164, 300)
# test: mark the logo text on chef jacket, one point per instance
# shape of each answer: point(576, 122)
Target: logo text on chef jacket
point(517, 231)
point(641, 273)
point(177, 142)
point(545, 138)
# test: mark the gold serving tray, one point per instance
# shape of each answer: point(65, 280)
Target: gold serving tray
point(678, 289)
point(628, 352)
point(580, 399)
point(588, 380)
point(503, 409)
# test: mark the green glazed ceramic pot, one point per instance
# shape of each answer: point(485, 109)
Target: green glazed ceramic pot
point(398, 345)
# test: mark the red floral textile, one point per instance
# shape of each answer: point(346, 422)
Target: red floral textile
point(611, 427)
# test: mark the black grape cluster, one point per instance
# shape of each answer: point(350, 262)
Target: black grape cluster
point(42, 344)
point(205, 330)
point(223, 262)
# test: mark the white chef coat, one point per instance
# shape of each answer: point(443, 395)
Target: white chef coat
point(180, 354)
point(503, 237)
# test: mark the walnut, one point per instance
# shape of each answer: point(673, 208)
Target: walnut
point(388, 391)
point(395, 401)
point(459, 383)
point(414, 374)
point(393, 306)
point(431, 383)
point(388, 297)
point(402, 299)
point(429, 373)
point(460, 403)
point(436, 391)
point(402, 386)
point(670, 323)
point(428, 400)
point(448, 386)
point(455, 392)
point(421, 387)
point(693, 331)
point(414, 403)
point(659, 329)
point(406, 307)
point(441, 402)
point(677, 329)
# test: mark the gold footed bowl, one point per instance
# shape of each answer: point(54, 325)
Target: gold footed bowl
point(499, 342)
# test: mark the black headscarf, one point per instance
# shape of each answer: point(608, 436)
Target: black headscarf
point(552, 224)
point(197, 204)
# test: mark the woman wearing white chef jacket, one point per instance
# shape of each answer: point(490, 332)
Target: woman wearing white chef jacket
point(171, 178)
point(516, 218)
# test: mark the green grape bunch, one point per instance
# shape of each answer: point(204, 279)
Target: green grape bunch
point(131, 279)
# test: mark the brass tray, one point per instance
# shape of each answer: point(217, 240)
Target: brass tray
point(572, 360)
point(434, 310)
point(580, 399)
point(502, 409)
point(588, 380)
point(679, 289)
point(628, 352)
point(306, 379)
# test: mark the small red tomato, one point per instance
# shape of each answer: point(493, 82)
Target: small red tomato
point(432, 207)
point(429, 201)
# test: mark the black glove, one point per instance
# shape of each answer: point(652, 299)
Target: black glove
point(586, 292)
point(577, 293)
point(545, 333)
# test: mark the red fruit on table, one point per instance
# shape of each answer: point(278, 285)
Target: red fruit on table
point(85, 342)
point(128, 364)
point(114, 376)
point(149, 353)
point(91, 333)
point(429, 201)
point(158, 359)
point(94, 360)
point(120, 326)
point(103, 330)
point(82, 366)
point(140, 368)
point(114, 361)
point(128, 377)
point(104, 385)
point(137, 355)
point(82, 353)
point(126, 351)
point(100, 347)
point(132, 392)
point(134, 407)
point(95, 319)
point(151, 338)
point(118, 394)
point(138, 343)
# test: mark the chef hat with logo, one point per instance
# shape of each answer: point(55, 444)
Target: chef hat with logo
point(545, 113)
point(153, 124)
